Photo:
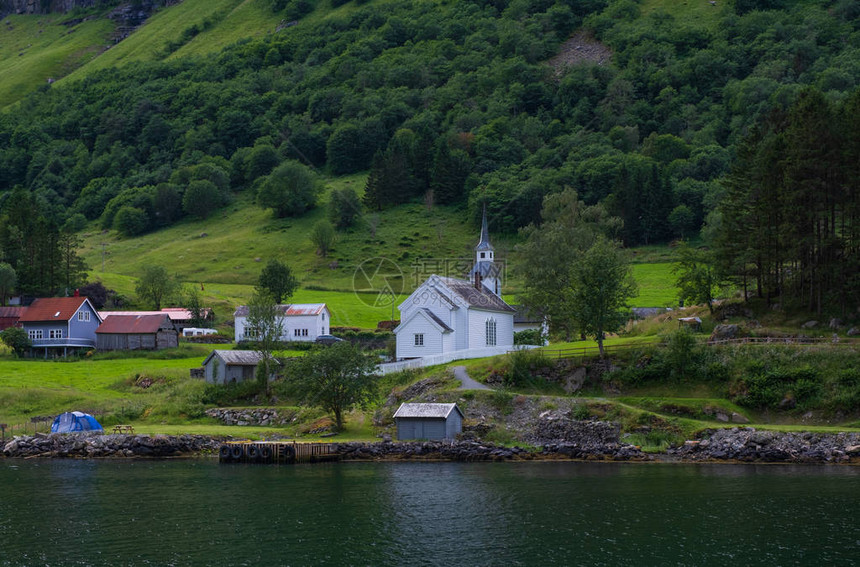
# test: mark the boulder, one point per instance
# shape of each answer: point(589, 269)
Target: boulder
point(835, 324)
point(853, 332)
point(724, 333)
point(738, 418)
point(574, 382)
point(810, 325)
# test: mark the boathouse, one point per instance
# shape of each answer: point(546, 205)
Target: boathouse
point(428, 421)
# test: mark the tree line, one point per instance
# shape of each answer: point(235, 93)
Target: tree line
point(788, 228)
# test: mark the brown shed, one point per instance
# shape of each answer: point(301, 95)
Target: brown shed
point(136, 332)
point(9, 316)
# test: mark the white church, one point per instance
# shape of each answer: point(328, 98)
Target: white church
point(444, 314)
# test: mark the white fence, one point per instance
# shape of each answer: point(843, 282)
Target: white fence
point(446, 357)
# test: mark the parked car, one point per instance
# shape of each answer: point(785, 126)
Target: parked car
point(327, 340)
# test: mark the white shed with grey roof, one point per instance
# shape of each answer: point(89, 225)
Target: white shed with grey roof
point(231, 366)
point(428, 421)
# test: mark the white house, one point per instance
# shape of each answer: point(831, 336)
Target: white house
point(299, 321)
point(446, 314)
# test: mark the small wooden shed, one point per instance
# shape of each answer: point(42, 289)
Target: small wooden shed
point(231, 366)
point(136, 332)
point(428, 421)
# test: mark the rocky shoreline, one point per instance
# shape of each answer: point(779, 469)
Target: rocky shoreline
point(737, 445)
point(99, 446)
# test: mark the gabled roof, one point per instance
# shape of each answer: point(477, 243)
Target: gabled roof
point(236, 357)
point(430, 316)
point(134, 324)
point(525, 315)
point(54, 309)
point(175, 313)
point(11, 312)
point(478, 299)
point(441, 411)
point(289, 310)
point(182, 314)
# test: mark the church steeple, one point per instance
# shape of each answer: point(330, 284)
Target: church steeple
point(484, 242)
point(485, 271)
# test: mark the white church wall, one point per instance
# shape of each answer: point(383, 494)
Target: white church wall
point(478, 328)
point(433, 339)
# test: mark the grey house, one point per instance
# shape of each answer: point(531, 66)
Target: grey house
point(428, 421)
point(231, 366)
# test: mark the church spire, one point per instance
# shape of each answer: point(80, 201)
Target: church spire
point(485, 272)
point(484, 243)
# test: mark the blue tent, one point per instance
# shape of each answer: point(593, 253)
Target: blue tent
point(73, 421)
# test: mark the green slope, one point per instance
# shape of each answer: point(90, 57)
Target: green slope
point(36, 48)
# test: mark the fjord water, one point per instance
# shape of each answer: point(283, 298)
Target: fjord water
point(198, 512)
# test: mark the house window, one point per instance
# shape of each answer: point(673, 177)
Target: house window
point(483, 254)
point(491, 332)
point(297, 333)
point(55, 334)
point(83, 315)
point(34, 334)
point(304, 332)
point(251, 333)
point(419, 339)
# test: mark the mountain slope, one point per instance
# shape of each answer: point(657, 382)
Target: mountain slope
point(34, 49)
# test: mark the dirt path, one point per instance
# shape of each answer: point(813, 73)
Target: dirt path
point(467, 383)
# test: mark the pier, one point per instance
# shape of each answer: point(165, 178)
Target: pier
point(276, 452)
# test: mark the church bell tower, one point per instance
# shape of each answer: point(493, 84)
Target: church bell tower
point(485, 271)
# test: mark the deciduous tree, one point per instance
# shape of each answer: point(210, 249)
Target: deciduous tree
point(278, 280)
point(154, 285)
point(335, 378)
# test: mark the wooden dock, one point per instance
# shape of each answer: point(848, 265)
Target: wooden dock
point(276, 452)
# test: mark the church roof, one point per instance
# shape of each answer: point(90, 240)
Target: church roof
point(484, 243)
point(436, 319)
point(473, 297)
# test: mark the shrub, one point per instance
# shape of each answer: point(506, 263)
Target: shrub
point(16, 338)
point(522, 367)
point(529, 337)
point(201, 198)
point(130, 221)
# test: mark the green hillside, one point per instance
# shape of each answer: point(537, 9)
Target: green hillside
point(34, 49)
point(441, 108)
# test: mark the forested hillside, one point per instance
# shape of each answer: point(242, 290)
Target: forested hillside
point(445, 102)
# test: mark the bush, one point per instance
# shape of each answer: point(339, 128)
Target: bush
point(201, 198)
point(522, 367)
point(130, 221)
point(529, 337)
point(16, 338)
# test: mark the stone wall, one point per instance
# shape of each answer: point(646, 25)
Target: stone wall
point(97, 445)
point(251, 416)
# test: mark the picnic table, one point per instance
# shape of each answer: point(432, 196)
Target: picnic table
point(127, 429)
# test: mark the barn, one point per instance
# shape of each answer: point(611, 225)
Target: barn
point(136, 332)
point(428, 421)
point(231, 366)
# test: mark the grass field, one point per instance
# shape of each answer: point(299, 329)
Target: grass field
point(36, 48)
